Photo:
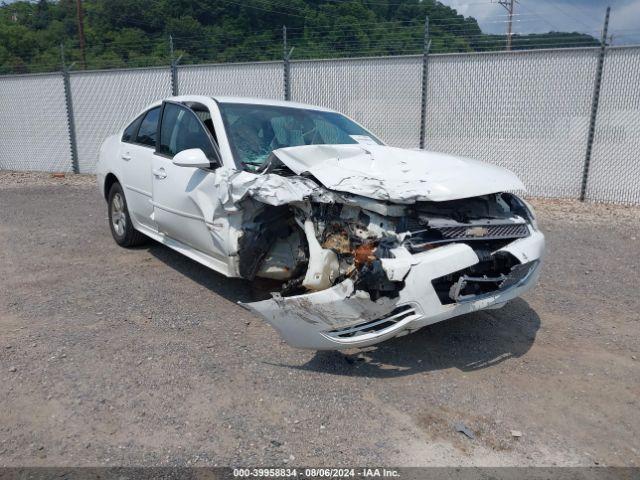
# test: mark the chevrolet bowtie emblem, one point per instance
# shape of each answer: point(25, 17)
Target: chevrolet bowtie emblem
point(476, 232)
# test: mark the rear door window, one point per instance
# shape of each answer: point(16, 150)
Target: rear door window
point(149, 128)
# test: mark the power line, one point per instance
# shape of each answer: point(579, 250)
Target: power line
point(541, 17)
point(508, 5)
point(264, 9)
point(557, 7)
point(580, 11)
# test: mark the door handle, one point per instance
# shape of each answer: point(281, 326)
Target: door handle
point(160, 173)
point(126, 156)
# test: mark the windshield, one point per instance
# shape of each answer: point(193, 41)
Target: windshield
point(254, 131)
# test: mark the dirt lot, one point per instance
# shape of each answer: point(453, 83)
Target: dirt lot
point(142, 357)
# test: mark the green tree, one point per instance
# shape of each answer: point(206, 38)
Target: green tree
point(135, 33)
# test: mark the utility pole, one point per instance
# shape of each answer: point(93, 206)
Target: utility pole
point(80, 16)
point(286, 56)
point(508, 5)
point(594, 105)
point(174, 68)
point(71, 124)
point(426, 45)
point(284, 41)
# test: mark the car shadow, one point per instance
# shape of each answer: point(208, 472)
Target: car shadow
point(233, 289)
point(471, 342)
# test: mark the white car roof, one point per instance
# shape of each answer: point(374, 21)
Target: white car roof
point(249, 100)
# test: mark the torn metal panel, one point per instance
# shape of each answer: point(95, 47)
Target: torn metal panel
point(252, 233)
point(270, 189)
point(311, 320)
point(527, 249)
point(397, 175)
point(364, 203)
point(300, 319)
point(358, 270)
point(398, 267)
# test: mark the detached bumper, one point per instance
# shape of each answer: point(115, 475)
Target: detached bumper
point(342, 317)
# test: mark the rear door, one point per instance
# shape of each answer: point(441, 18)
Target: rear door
point(136, 155)
point(184, 197)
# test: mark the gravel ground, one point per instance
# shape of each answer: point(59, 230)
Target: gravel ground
point(142, 357)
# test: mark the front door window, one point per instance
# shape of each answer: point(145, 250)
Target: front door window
point(181, 130)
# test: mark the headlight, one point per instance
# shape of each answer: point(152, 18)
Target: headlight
point(521, 207)
point(531, 212)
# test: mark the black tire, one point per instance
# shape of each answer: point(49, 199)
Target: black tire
point(122, 229)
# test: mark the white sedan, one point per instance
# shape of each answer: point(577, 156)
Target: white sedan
point(362, 241)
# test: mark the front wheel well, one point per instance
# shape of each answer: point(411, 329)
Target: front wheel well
point(109, 180)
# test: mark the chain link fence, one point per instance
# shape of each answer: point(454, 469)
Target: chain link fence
point(34, 134)
point(529, 111)
point(103, 101)
point(260, 79)
point(382, 95)
point(614, 175)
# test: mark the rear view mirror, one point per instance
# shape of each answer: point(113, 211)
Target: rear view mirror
point(193, 157)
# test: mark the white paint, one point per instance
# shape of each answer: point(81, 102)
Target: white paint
point(199, 212)
point(323, 266)
point(397, 175)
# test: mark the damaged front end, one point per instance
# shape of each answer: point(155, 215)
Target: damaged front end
point(354, 271)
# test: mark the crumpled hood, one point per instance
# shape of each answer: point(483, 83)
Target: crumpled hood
point(396, 174)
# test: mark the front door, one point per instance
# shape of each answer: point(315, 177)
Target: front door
point(184, 197)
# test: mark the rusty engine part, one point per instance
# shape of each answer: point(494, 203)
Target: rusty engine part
point(364, 254)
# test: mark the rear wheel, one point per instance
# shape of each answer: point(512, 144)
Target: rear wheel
point(120, 221)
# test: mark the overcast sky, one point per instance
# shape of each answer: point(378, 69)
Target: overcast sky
point(537, 16)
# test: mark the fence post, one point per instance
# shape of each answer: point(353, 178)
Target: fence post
point(286, 55)
point(594, 107)
point(425, 71)
point(174, 69)
point(71, 124)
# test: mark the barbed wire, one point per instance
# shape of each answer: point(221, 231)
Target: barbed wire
point(340, 40)
point(191, 39)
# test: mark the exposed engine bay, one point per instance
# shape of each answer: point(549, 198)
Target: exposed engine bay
point(311, 246)
point(363, 243)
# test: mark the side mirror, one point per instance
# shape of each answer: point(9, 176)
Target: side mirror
point(194, 158)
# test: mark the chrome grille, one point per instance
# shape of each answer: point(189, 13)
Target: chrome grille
point(484, 232)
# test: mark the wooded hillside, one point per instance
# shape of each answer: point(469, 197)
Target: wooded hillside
point(134, 33)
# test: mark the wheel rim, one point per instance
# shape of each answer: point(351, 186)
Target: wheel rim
point(118, 216)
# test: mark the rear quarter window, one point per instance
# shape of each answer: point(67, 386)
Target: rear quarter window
point(131, 131)
point(149, 128)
